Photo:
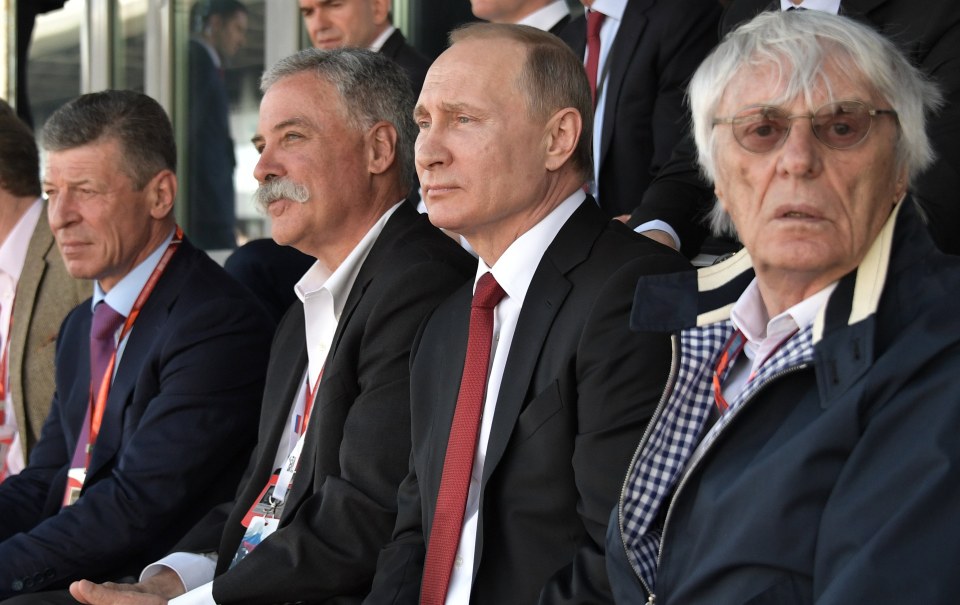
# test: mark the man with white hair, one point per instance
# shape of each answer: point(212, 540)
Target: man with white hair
point(805, 449)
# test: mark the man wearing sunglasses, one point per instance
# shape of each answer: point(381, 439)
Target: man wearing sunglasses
point(805, 449)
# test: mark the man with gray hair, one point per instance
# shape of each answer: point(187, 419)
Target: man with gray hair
point(335, 138)
point(806, 450)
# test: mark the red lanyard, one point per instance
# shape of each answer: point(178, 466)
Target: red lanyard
point(731, 351)
point(99, 406)
point(308, 405)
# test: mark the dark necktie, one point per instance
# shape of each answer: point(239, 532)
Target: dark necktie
point(102, 331)
point(594, 22)
point(105, 323)
point(461, 445)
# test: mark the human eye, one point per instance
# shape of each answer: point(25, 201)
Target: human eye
point(842, 124)
point(759, 128)
point(464, 119)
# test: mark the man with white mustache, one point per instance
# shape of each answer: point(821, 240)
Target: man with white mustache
point(335, 139)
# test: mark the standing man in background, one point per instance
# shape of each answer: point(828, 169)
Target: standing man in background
point(36, 292)
point(222, 29)
point(363, 24)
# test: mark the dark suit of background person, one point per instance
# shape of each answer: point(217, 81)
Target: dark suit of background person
point(179, 422)
point(657, 47)
point(210, 156)
point(930, 36)
point(341, 508)
point(270, 271)
point(45, 294)
point(413, 62)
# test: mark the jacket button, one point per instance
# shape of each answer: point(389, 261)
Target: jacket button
point(28, 582)
point(38, 578)
point(49, 574)
point(17, 586)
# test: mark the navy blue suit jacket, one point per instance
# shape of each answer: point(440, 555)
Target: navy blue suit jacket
point(179, 425)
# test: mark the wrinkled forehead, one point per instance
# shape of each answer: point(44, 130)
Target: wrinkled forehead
point(777, 82)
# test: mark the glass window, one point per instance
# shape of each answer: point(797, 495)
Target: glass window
point(53, 66)
point(128, 53)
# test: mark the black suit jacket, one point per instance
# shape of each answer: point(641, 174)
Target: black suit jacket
point(343, 504)
point(179, 425)
point(577, 391)
point(930, 37)
point(657, 48)
point(407, 57)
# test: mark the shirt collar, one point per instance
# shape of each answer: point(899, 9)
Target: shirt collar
point(13, 251)
point(827, 6)
point(515, 268)
point(611, 8)
point(339, 282)
point(546, 17)
point(749, 314)
point(123, 295)
point(380, 40)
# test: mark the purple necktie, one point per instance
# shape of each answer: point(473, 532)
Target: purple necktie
point(106, 321)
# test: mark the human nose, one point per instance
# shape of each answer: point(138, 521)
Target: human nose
point(60, 210)
point(267, 168)
point(430, 150)
point(800, 152)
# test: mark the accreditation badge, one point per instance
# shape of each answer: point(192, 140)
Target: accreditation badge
point(75, 479)
point(261, 520)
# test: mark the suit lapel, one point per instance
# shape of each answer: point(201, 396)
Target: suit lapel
point(35, 266)
point(621, 54)
point(545, 297)
point(396, 225)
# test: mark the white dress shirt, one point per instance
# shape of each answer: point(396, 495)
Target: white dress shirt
point(380, 40)
point(827, 6)
point(13, 254)
point(514, 272)
point(324, 294)
point(547, 16)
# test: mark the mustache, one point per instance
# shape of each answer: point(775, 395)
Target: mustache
point(280, 188)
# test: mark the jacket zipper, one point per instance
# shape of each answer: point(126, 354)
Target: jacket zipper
point(668, 387)
point(694, 463)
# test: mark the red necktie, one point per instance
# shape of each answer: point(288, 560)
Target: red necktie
point(594, 22)
point(461, 445)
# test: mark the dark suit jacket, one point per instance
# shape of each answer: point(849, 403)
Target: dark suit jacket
point(930, 37)
point(409, 58)
point(180, 421)
point(270, 271)
point(45, 294)
point(658, 46)
point(209, 153)
point(577, 391)
point(343, 504)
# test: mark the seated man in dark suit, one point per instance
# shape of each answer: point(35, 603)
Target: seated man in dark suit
point(336, 154)
point(156, 397)
point(362, 24)
point(502, 154)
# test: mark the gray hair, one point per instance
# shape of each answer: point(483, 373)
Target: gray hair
point(134, 120)
point(797, 44)
point(372, 87)
point(552, 77)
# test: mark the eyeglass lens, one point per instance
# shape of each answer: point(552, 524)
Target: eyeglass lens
point(839, 125)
